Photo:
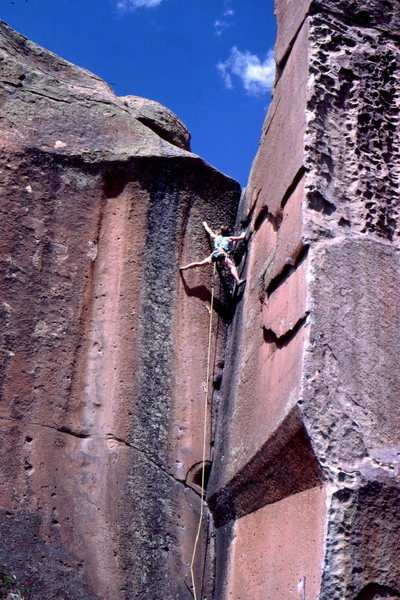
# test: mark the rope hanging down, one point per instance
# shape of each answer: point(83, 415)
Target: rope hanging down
point(205, 385)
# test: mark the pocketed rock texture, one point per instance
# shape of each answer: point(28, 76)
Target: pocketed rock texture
point(305, 487)
point(104, 344)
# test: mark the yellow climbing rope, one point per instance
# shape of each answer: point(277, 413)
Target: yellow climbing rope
point(205, 385)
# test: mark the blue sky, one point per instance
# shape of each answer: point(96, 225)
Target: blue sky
point(209, 61)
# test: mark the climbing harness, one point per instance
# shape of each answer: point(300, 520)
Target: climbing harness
point(205, 385)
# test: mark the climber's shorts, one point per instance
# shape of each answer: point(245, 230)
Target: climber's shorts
point(218, 255)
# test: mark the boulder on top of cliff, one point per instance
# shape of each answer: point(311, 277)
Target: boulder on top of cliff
point(160, 119)
point(48, 103)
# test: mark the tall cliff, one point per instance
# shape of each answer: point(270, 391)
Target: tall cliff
point(104, 345)
point(305, 482)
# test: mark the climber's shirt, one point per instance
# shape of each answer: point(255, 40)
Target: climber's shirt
point(221, 242)
point(221, 248)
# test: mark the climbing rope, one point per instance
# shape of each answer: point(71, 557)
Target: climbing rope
point(205, 385)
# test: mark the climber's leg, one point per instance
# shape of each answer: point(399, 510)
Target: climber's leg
point(234, 272)
point(199, 263)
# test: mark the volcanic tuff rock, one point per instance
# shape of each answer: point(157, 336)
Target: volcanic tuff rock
point(105, 345)
point(101, 395)
point(306, 495)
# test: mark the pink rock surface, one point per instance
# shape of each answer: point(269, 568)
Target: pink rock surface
point(101, 384)
point(268, 339)
point(290, 241)
point(105, 344)
point(278, 550)
point(311, 382)
point(269, 387)
point(277, 165)
point(286, 307)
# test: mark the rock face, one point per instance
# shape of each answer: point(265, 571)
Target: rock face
point(104, 345)
point(305, 487)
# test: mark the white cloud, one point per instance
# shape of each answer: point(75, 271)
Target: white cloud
point(257, 76)
point(131, 4)
point(219, 26)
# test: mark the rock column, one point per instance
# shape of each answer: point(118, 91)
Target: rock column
point(305, 483)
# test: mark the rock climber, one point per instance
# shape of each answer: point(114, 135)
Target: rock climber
point(221, 241)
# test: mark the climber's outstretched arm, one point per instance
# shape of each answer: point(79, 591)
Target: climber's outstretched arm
point(237, 238)
point(209, 231)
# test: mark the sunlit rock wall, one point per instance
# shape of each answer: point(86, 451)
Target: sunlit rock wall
point(305, 482)
point(103, 345)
